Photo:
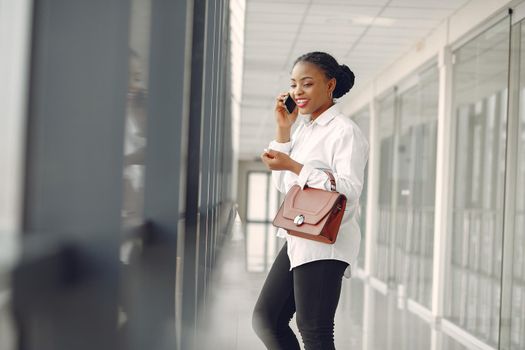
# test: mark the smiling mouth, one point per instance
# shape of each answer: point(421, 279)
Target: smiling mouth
point(301, 103)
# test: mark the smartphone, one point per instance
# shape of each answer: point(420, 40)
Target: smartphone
point(289, 103)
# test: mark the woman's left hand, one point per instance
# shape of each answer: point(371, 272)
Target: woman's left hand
point(276, 160)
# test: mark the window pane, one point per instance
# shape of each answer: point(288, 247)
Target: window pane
point(274, 203)
point(134, 149)
point(362, 119)
point(9, 253)
point(415, 197)
point(136, 113)
point(257, 196)
point(384, 240)
point(473, 272)
point(257, 242)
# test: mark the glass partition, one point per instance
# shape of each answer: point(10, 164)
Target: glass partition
point(362, 119)
point(473, 266)
point(132, 212)
point(416, 185)
point(136, 114)
point(262, 244)
point(383, 239)
point(9, 254)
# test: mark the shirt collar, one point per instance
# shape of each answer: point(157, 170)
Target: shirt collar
point(325, 117)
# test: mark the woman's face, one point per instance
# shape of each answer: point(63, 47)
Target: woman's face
point(310, 89)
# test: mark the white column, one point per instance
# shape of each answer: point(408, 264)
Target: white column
point(373, 189)
point(511, 163)
point(369, 313)
point(237, 24)
point(15, 31)
point(443, 184)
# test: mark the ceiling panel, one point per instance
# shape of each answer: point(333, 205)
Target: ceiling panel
point(334, 32)
point(282, 7)
point(431, 4)
point(396, 31)
point(420, 13)
point(333, 37)
point(283, 26)
point(270, 18)
point(341, 11)
point(352, 2)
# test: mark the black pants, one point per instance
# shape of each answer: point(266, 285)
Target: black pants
point(312, 291)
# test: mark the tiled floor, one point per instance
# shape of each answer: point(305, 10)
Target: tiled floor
point(365, 320)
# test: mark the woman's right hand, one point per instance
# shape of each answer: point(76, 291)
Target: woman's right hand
point(284, 120)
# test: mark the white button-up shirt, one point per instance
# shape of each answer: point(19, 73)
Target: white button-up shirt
point(331, 141)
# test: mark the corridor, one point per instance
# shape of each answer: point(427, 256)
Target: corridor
point(366, 319)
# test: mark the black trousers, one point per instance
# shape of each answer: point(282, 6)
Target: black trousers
point(312, 291)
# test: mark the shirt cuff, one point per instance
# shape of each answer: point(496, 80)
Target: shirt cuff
point(304, 174)
point(281, 147)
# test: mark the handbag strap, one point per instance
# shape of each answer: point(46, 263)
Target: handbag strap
point(332, 179)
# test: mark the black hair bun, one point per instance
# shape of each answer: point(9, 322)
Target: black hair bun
point(345, 80)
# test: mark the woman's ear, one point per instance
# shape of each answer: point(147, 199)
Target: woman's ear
point(331, 85)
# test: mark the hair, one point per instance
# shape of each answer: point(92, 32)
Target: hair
point(344, 77)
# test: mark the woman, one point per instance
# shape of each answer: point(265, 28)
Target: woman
point(306, 276)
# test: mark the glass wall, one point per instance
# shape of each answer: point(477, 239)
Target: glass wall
point(134, 148)
point(362, 119)
point(415, 186)
point(473, 268)
point(405, 234)
point(261, 241)
point(86, 175)
point(9, 250)
point(136, 113)
point(15, 26)
point(407, 130)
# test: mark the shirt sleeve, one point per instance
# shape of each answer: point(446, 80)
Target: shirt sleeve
point(278, 175)
point(349, 161)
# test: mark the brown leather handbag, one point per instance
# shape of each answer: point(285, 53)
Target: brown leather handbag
point(312, 213)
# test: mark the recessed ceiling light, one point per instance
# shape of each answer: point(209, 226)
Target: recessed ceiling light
point(377, 21)
point(363, 20)
point(336, 20)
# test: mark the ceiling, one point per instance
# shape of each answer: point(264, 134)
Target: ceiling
point(366, 35)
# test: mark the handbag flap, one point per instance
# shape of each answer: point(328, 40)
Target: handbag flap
point(314, 204)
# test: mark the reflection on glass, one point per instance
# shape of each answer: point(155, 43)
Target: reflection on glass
point(415, 197)
point(383, 240)
point(134, 143)
point(274, 200)
point(362, 119)
point(10, 250)
point(263, 201)
point(350, 315)
point(258, 187)
point(450, 343)
point(262, 246)
point(517, 336)
point(385, 326)
point(473, 272)
point(136, 112)
point(134, 150)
